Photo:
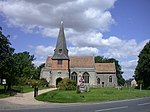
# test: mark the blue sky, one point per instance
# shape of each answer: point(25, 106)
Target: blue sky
point(112, 28)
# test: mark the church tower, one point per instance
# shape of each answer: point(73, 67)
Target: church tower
point(60, 59)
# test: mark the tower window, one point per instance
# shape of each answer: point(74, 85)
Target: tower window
point(59, 62)
point(60, 51)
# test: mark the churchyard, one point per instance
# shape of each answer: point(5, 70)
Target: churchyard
point(94, 95)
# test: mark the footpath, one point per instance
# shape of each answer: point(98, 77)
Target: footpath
point(21, 100)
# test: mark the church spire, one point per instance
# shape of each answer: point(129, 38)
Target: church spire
point(61, 51)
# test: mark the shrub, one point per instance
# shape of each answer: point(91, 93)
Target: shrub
point(67, 84)
point(43, 82)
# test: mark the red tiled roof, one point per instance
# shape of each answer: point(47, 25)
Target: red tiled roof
point(81, 62)
point(105, 67)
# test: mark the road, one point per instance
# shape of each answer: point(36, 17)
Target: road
point(134, 105)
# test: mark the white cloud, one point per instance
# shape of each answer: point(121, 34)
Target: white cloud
point(125, 49)
point(49, 50)
point(80, 15)
point(84, 23)
point(93, 39)
point(41, 52)
point(49, 32)
point(83, 51)
point(44, 51)
point(38, 62)
point(129, 67)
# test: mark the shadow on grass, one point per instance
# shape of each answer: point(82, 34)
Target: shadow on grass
point(4, 93)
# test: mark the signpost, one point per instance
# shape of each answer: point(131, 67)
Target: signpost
point(82, 86)
point(3, 81)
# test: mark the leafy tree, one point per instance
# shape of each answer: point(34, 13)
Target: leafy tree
point(39, 68)
point(119, 72)
point(15, 67)
point(23, 65)
point(142, 71)
point(6, 60)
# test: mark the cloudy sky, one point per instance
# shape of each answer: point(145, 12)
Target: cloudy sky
point(111, 28)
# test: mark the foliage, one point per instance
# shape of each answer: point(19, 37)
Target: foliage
point(23, 64)
point(37, 76)
point(6, 60)
point(43, 82)
point(142, 71)
point(96, 95)
point(119, 72)
point(3, 94)
point(16, 68)
point(67, 84)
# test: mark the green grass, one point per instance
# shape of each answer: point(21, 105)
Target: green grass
point(30, 89)
point(3, 94)
point(95, 95)
point(22, 89)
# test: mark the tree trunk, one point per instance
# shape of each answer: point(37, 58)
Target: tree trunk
point(9, 86)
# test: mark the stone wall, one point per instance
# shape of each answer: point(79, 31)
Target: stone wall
point(104, 80)
point(52, 75)
point(45, 73)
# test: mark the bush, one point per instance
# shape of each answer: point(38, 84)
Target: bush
point(67, 84)
point(43, 82)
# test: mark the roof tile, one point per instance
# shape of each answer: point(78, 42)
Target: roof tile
point(105, 67)
point(81, 62)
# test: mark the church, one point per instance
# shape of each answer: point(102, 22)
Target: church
point(61, 65)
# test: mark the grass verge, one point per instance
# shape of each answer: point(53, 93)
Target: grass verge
point(22, 89)
point(95, 95)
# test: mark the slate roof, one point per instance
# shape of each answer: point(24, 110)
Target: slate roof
point(81, 62)
point(61, 45)
point(105, 67)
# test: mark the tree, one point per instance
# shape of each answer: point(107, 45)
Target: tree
point(119, 72)
point(24, 66)
point(15, 67)
point(6, 60)
point(142, 71)
point(39, 68)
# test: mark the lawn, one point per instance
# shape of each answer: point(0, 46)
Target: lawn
point(22, 89)
point(95, 95)
point(25, 89)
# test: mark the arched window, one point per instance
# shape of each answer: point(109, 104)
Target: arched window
point(74, 76)
point(110, 78)
point(86, 77)
point(98, 80)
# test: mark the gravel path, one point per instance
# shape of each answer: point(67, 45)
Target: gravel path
point(25, 98)
point(27, 101)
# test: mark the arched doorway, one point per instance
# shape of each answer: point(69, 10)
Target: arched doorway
point(58, 80)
